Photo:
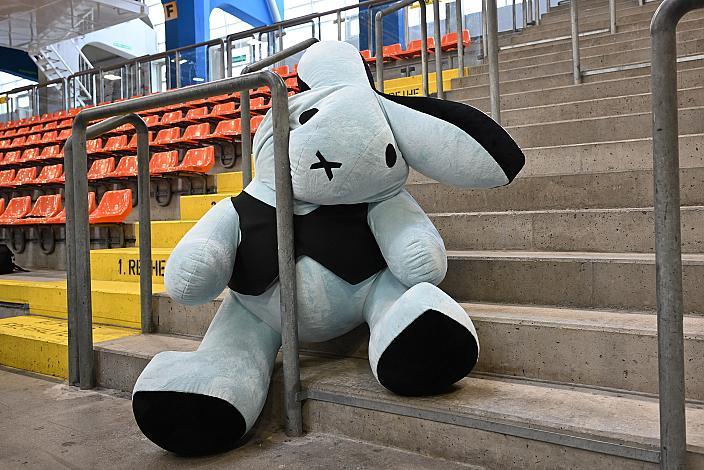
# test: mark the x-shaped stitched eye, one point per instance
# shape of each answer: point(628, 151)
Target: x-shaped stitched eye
point(326, 165)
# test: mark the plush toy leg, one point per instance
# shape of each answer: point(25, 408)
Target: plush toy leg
point(203, 402)
point(421, 340)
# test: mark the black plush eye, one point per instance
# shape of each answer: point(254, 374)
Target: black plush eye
point(390, 155)
point(306, 115)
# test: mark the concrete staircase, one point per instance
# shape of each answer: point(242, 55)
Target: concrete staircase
point(556, 270)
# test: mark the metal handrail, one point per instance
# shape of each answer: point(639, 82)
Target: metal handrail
point(379, 46)
point(668, 249)
point(245, 112)
point(79, 298)
point(438, 49)
point(492, 44)
point(574, 31)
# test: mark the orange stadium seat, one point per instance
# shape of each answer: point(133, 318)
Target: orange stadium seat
point(163, 162)
point(50, 152)
point(126, 168)
point(414, 48)
point(46, 206)
point(17, 208)
point(199, 160)
point(116, 145)
point(193, 116)
point(18, 142)
point(392, 52)
point(60, 218)
point(49, 138)
point(6, 177)
point(283, 70)
point(257, 105)
point(101, 168)
point(30, 155)
point(195, 133)
point(166, 138)
point(64, 135)
point(255, 123)
point(94, 146)
point(12, 158)
point(367, 56)
point(449, 40)
point(25, 176)
point(66, 123)
point(50, 174)
point(225, 131)
point(50, 126)
point(222, 111)
point(173, 117)
point(114, 207)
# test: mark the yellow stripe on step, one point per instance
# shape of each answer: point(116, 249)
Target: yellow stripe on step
point(195, 207)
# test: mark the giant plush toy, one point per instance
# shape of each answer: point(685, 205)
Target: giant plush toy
point(365, 252)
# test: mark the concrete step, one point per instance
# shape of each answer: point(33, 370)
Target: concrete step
point(566, 279)
point(602, 230)
point(595, 11)
point(581, 191)
point(544, 425)
point(193, 207)
point(537, 84)
point(166, 233)
point(40, 344)
point(600, 128)
point(686, 30)
point(613, 106)
point(691, 78)
point(509, 71)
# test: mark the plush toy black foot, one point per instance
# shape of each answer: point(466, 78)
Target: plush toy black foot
point(188, 424)
point(430, 355)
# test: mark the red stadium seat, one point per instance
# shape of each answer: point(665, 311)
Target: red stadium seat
point(60, 218)
point(292, 84)
point(101, 168)
point(283, 70)
point(18, 142)
point(30, 155)
point(49, 138)
point(36, 129)
point(195, 133)
point(166, 137)
point(199, 160)
point(226, 131)
point(64, 135)
point(449, 41)
point(222, 111)
point(45, 206)
point(94, 146)
point(163, 162)
point(116, 145)
point(392, 52)
point(66, 123)
point(168, 119)
point(257, 105)
point(255, 123)
point(367, 56)
point(126, 168)
point(50, 174)
point(152, 120)
point(22, 131)
point(50, 126)
point(414, 48)
point(193, 116)
point(12, 158)
point(5, 144)
point(6, 177)
point(17, 208)
point(10, 133)
point(50, 152)
point(25, 176)
point(114, 207)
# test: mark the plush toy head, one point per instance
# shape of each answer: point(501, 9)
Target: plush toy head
point(351, 144)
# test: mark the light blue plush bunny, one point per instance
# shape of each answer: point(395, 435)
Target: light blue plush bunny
point(366, 252)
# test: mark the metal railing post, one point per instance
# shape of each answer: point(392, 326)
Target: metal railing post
point(493, 46)
point(668, 251)
point(524, 10)
point(484, 45)
point(177, 58)
point(529, 10)
point(339, 26)
point(513, 17)
point(574, 21)
point(537, 12)
point(379, 38)
point(612, 16)
point(438, 50)
point(245, 111)
point(79, 242)
point(460, 42)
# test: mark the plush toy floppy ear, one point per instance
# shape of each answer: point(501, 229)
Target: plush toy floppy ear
point(451, 142)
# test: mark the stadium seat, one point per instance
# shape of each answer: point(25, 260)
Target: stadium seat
point(36, 129)
point(367, 56)
point(194, 115)
point(195, 133)
point(10, 133)
point(25, 176)
point(50, 174)
point(101, 168)
point(50, 126)
point(258, 106)
point(283, 70)
point(17, 142)
point(64, 134)
point(12, 158)
point(94, 146)
point(199, 160)
point(6, 177)
point(221, 112)
point(152, 120)
point(255, 123)
point(5, 144)
point(22, 131)
point(116, 145)
point(166, 137)
point(163, 162)
point(292, 84)
point(132, 145)
point(33, 140)
point(449, 40)
point(114, 207)
point(414, 48)
point(49, 138)
point(45, 206)
point(225, 131)
point(171, 118)
point(126, 168)
point(392, 52)
point(66, 123)
point(17, 208)
point(51, 152)
point(60, 218)
point(30, 155)
point(262, 91)
point(2, 206)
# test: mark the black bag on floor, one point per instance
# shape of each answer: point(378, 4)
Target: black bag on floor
point(7, 261)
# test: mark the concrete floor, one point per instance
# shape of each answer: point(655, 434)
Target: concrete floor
point(46, 424)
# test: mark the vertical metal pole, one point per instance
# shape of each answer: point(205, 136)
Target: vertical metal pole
point(529, 10)
point(524, 10)
point(339, 25)
point(438, 50)
point(71, 286)
point(145, 230)
point(576, 67)
point(537, 12)
point(229, 57)
point(493, 46)
point(379, 51)
point(424, 48)
point(484, 47)
point(513, 5)
point(612, 16)
point(287, 260)
point(460, 43)
point(177, 57)
point(668, 255)
point(245, 125)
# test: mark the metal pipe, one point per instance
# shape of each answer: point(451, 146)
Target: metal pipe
point(493, 46)
point(525, 14)
point(513, 3)
point(484, 48)
point(339, 26)
point(537, 12)
point(574, 21)
point(76, 206)
point(460, 31)
point(529, 10)
point(245, 111)
point(177, 58)
point(379, 29)
point(612, 16)
point(668, 254)
point(438, 50)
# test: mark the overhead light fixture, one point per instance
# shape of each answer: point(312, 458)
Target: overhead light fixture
point(198, 79)
point(111, 77)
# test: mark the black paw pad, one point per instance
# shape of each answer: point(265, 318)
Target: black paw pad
point(188, 423)
point(430, 355)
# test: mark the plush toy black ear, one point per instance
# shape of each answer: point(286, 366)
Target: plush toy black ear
point(451, 142)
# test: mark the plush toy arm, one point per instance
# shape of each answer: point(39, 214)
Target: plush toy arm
point(410, 243)
point(200, 266)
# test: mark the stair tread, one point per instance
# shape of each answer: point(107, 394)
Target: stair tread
point(687, 258)
point(615, 210)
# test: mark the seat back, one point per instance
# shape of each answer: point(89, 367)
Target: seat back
point(152, 120)
point(115, 143)
point(172, 117)
point(51, 151)
point(25, 175)
point(66, 123)
point(18, 142)
point(283, 70)
point(17, 208)
point(50, 125)
point(127, 166)
point(101, 168)
point(92, 202)
point(6, 176)
point(163, 162)
point(255, 123)
point(114, 207)
point(12, 157)
point(33, 139)
point(196, 130)
point(37, 128)
point(50, 172)
point(30, 154)
point(198, 160)
point(167, 136)
point(197, 113)
point(95, 145)
point(231, 127)
point(224, 109)
point(64, 134)
point(46, 206)
point(257, 103)
point(392, 49)
point(48, 137)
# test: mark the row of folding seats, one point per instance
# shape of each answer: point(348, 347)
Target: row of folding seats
point(394, 52)
point(195, 161)
point(114, 207)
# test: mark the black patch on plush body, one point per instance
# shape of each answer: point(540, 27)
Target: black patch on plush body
point(338, 237)
point(427, 357)
point(188, 423)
